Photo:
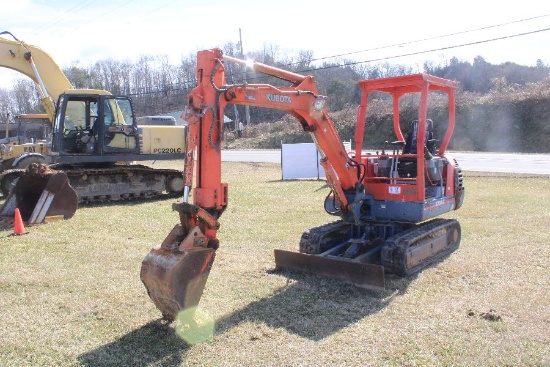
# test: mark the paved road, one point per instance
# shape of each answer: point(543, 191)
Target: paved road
point(480, 162)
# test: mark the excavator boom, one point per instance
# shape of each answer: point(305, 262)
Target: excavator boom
point(51, 82)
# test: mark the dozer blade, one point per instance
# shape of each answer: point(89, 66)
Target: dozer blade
point(175, 277)
point(41, 193)
point(368, 276)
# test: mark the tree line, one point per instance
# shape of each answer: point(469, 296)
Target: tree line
point(158, 87)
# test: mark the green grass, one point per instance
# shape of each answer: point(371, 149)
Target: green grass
point(70, 292)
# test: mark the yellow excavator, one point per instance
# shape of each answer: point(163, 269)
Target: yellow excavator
point(95, 138)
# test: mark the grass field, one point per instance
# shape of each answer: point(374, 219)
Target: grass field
point(70, 293)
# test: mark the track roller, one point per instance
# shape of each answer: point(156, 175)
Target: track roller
point(411, 251)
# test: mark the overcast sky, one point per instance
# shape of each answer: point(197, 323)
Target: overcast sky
point(92, 30)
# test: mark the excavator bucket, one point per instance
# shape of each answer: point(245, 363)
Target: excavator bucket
point(175, 272)
point(41, 194)
point(364, 275)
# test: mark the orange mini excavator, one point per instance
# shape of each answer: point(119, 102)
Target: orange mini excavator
point(387, 201)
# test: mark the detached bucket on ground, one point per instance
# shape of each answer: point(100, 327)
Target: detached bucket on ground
point(41, 194)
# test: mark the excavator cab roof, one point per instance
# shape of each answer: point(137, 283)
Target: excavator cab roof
point(88, 92)
point(407, 84)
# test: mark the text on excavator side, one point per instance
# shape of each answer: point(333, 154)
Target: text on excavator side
point(278, 98)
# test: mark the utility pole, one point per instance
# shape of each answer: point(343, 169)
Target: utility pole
point(7, 126)
point(246, 108)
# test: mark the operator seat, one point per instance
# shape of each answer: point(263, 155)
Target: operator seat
point(91, 137)
point(407, 165)
point(411, 145)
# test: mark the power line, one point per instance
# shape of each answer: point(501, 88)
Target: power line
point(162, 6)
point(82, 5)
point(189, 82)
point(92, 19)
point(78, 7)
point(86, 3)
point(435, 37)
point(432, 50)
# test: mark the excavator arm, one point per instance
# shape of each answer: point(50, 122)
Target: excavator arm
point(301, 99)
point(175, 272)
point(50, 82)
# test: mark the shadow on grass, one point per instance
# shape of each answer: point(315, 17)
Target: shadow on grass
point(314, 307)
point(152, 344)
point(311, 307)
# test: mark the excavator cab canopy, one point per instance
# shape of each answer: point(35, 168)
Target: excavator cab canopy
point(94, 123)
point(410, 178)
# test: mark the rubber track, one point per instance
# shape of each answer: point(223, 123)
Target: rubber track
point(310, 243)
point(394, 252)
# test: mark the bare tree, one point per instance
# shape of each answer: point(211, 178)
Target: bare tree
point(25, 97)
point(5, 104)
point(78, 76)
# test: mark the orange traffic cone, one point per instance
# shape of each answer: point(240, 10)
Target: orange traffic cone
point(18, 227)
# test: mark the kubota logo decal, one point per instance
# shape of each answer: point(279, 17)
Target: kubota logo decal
point(278, 98)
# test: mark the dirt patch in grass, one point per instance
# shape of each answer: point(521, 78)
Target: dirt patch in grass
point(70, 291)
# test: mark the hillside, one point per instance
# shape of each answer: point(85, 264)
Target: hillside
point(502, 108)
point(503, 120)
